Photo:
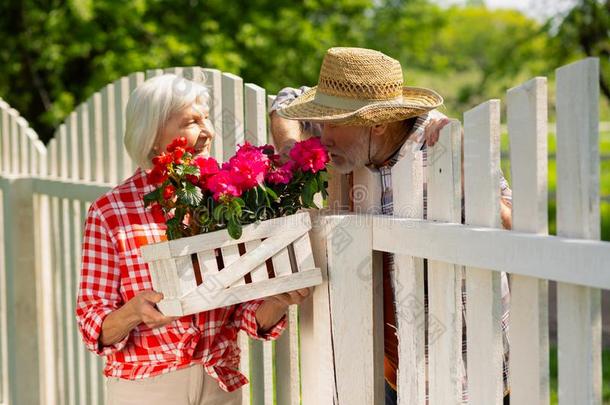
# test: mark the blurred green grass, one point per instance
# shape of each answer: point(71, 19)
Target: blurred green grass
point(604, 151)
point(605, 376)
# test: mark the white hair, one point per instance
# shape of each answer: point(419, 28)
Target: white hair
point(149, 108)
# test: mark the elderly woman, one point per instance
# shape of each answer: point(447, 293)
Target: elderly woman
point(151, 358)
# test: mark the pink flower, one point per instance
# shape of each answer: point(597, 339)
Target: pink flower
point(222, 184)
point(310, 155)
point(280, 175)
point(207, 166)
point(248, 166)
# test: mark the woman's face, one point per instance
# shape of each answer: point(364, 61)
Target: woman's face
point(192, 123)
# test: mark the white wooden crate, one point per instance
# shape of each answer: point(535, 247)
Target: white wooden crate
point(213, 270)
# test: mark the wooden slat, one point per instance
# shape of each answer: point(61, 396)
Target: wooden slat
point(213, 82)
point(444, 279)
point(232, 113)
point(528, 332)
point(71, 169)
point(350, 274)
point(483, 305)
point(81, 366)
point(260, 273)
point(135, 79)
point(261, 372)
point(5, 148)
point(255, 115)
point(207, 262)
point(58, 298)
point(84, 142)
point(316, 355)
point(195, 301)
point(578, 308)
point(229, 255)
point(551, 258)
point(47, 319)
point(69, 349)
point(186, 274)
point(96, 138)
point(408, 284)
point(4, 380)
point(14, 135)
point(287, 361)
point(23, 146)
point(121, 96)
point(281, 264)
point(110, 138)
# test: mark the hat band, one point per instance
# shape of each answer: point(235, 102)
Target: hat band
point(345, 103)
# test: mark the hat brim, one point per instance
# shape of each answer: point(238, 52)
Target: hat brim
point(415, 101)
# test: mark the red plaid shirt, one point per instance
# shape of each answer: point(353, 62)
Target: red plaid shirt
point(113, 272)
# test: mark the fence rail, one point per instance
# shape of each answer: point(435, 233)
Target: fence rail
point(332, 351)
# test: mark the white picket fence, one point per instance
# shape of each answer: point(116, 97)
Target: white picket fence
point(333, 349)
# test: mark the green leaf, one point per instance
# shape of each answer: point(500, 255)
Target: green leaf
point(234, 229)
point(190, 194)
point(271, 193)
point(308, 192)
point(191, 170)
point(153, 196)
point(173, 229)
point(218, 212)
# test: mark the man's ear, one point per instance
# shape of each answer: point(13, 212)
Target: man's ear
point(379, 129)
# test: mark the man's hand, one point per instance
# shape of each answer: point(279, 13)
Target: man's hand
point(143, 307)
point(433, 130)
point(285, 133)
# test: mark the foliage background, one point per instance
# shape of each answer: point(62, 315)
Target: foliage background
point(56, 53)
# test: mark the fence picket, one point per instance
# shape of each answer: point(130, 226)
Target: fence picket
point(578, 308)
point(96, 139)
point(232, 113)
point(528, 333)
point(482, 207)
point(213, 81)
point(444, 279)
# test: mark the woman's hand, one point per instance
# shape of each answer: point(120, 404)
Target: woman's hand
point(140, 308)
point(143, 307)
point(274, 307)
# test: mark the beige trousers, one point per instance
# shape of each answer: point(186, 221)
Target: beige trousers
point(188, 386)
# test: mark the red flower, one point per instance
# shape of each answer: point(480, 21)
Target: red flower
point(178, 154)
point(157, 213)
point(179, 142)
point(163, 159)
point(248, 166)
point(157, 175)
point(310, 155)
point(169, 192)
point(280, 175)
point(222, 184)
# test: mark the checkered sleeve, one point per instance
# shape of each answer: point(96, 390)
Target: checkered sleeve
point(245, 316)
point(98, 293)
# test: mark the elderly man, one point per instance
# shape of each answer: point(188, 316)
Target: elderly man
point(365, 116)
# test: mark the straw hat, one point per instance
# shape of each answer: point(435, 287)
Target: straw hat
point(360, 87)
